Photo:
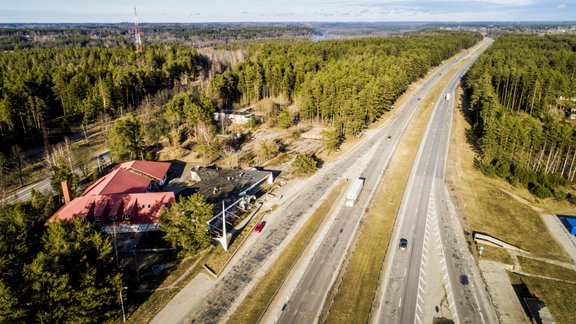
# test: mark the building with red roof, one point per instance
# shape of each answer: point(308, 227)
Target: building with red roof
point(122, 200)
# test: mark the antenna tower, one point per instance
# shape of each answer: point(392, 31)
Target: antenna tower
point(137, 39)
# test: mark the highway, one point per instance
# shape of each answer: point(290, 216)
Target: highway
point(435, 276)
point(306, 290)
point(296, 205)
point(303, 292)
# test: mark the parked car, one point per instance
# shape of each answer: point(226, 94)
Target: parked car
point(403, 244)
point(259, 227)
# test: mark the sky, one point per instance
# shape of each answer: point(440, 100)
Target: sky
point(194, 11)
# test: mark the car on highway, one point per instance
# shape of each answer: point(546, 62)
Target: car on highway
point(403, 244)
point(389, 137)
point(259, 227)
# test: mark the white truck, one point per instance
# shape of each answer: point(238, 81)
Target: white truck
point(354, 191)
point(447, 96)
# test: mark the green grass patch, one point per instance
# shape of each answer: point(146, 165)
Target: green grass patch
point(559, 296)
point(496, 254)
point(546, 269)
point(255, 303)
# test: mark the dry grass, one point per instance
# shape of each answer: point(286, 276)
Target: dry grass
point(546, 269)
point(512, 214)
point(496, 254)
point(353, 300)
point(559, 296)
point(218, 258)
point(154, 303)
point(257, 300)
point(492, 205)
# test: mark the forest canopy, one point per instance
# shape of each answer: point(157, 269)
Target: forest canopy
point(76, 85)
point(522, 98)
point(346, 84)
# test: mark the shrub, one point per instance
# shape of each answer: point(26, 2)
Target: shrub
point(304, 164)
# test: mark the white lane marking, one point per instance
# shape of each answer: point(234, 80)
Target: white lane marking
point(405, 270)
point(418, 319)
point(476, 298)
point(400, 302)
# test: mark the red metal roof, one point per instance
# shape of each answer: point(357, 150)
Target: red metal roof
point(118, 181)
point(122, 192)
point(128, 178)
point(156, 170)
point(143, 208)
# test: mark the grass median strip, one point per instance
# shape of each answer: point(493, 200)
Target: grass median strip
point(353, 301)
point(257, 300)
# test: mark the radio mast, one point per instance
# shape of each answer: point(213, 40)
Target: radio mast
point(137, 39)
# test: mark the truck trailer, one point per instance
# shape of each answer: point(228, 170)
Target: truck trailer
point(447, 96)
point(354, 191)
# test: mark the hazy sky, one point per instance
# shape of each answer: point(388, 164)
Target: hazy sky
point(287, 10)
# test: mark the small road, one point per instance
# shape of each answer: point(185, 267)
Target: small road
point(435, 276)
point(44, 186)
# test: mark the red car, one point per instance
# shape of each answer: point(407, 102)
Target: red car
point(259, 227)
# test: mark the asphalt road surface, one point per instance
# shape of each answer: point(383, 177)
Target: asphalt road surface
point(368, 158)
point(306, 292)
point(44, 186)
point(436, 267)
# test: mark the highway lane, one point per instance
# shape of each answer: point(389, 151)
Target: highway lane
point(305, 292)
point(408, 293)
point(261, 250)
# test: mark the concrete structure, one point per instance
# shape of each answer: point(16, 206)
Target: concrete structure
point(480, 238)
point(121, 200)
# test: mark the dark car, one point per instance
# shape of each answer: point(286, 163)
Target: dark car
point(403, 244)
point(259, 227)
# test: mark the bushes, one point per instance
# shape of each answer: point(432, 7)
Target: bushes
point(540, 184)
point(304, 164)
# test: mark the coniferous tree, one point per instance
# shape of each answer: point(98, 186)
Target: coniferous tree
point(185, 224)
